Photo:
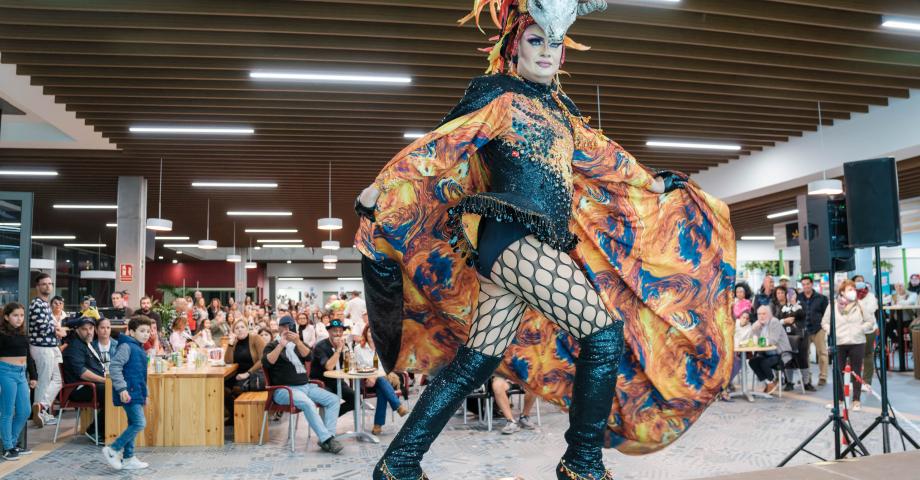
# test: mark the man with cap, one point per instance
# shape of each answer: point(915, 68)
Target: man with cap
point(284, 361)
point(82, 363)
point(327, 355)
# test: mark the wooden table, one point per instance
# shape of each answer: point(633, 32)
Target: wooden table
point(744, 368)
point(358, 412)
point(185, 407)
point(898, 314)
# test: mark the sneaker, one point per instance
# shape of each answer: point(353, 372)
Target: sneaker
point(11, 455)
point(331, 445)
point(47, 418)
point(788, 387)
point(865, 388)
point(822, 382)
point(511, 427)
point(810, 388)
point(857, 406)
point(133, 464)
point(403, 410)
point(37, 418)
point(23, 451)
point(525, 423)
point(112, 458)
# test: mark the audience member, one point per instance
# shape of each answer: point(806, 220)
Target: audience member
point(792, 317)
point(764, 363)
point(365, 353)
point(869, 303)
point(199, 313)
point(355, 310)
point(311, 330)
point(273, 328)
point(327, 355)
point(59, 315)
point(852, 325)
point(156, 344)
point(764, 295)
point(214, 308)
point(244, 348)
point(14, 386)
point(743, 333)
point(284, 360)
point(119, 310)
point(204, 338)
point(500, 387)
point(265, 333)
point(147, 311)
point(43, 348)
point(183, 310)
point(179, 336)
point(742, 300)
point(129, 391)
point(903, 296)
point(914, 284)
point(82, 363)
point(219, 327)
point(815, 304)
point(104, 344)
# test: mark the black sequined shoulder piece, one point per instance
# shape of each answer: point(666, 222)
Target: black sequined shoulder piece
point(484, 89)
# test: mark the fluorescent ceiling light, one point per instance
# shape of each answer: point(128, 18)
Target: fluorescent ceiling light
point(694, 145)
point(171, 238)
point(244, 213)
point(758, 237)
point(290, 279)
point(413, 135)
point(29, 173)
point(111, 225)
point(193, 130)
point(158, 258)
point(174, 261)
point(277, 240)
point(10, 224)
point(236, 184)
point(271, 230)
point(330, 259)
point(257, 247)
point(82, 206)
point(289, 262)
point(85, 245)
point(328, 266)
point(279, 245)
point(178, 252)
point(349, 279)
point(783, 214)
point(54, 237)
point(180, 245)
point(901, 24)
point(324, 77)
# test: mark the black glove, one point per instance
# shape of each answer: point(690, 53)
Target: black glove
point(672, 180)
point(362, 211)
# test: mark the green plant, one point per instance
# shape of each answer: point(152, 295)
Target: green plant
point(886, 265)
point(769, 267)
point(166, 312)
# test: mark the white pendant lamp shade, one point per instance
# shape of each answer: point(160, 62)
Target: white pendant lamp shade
point(207, 244)
point(329, 223)
point(251, 265)
point(160, 224)
point(330, 245)
point(234, 258)
point(825, 187)
point(328, 266)
point(330, 259)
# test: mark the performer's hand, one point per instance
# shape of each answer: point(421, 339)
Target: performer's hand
point(365, 203)
point(672, 180)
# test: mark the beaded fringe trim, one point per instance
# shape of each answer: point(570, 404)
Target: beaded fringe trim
point(389, 476)
point(571, 474)
point(501, 211)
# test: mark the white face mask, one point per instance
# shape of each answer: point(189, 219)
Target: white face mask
point(850, 295)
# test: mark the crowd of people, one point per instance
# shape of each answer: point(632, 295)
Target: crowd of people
point(795, 319)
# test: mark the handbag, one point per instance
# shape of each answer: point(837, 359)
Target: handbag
point(254, 383)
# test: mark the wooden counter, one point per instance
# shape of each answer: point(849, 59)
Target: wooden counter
point(185, 407)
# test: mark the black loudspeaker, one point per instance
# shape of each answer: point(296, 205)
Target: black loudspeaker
point(823, 234)
point(873, 213)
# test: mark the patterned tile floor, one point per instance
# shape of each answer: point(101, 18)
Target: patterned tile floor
point(730, 438)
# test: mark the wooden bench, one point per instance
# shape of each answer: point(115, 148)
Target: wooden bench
point(247, 416)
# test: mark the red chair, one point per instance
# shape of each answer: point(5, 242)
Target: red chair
point(272, 407)
point(64, 401)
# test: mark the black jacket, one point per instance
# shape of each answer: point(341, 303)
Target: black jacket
point(814, 310)
point(78, 358)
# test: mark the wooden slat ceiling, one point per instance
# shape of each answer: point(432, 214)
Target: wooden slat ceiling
point(743, 71)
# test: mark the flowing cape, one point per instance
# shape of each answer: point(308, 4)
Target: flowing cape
point(661, 263)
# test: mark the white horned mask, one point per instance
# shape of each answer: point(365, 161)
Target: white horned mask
point(556, 16)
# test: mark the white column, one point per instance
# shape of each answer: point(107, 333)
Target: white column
point(131, 239)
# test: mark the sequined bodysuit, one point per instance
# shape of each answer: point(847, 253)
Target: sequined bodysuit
point(529, 167)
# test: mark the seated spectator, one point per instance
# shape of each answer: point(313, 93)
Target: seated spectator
point(742, 300)
point(311, 332)
point(203, 338)
point(157, 344)
point(119, 310)
point(328, 356)
point(82, 363)
point(743, 333)
point(147, 311)
point(179, 336)
point(284, 360)
point(265, 333)
point(382, 385)
point(273, 328)
point(245, 350)
point(500, 387)
point(763, 363)
point(104, 343)
point(219, 327)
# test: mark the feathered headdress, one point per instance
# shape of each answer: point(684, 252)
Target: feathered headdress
point(512, 17)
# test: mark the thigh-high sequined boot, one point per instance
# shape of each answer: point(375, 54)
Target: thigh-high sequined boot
point(443, 396)
point(592, 397)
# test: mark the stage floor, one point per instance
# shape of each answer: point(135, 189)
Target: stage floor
point(729, 439)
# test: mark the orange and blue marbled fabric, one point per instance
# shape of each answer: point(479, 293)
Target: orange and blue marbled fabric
point(661, 263)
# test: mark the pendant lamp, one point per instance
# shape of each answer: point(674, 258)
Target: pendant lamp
point(250, 264)
point(330, 222)
point(233, 257)
point(207, 243)
point(824, 186)
point(160, 224)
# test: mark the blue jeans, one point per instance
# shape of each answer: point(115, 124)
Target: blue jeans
point(15, 407)
point(308, 398)
point(385, 395)
point(136, 423)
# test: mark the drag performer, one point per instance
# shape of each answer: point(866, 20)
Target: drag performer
point(515, 236)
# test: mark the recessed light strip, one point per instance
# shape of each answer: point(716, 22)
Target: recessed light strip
point(692, 145)
point(241, 213)
point(758, 237)
point(413, 135)
point(235, 184)
point(194, 130)
point(278, 245)
point(180, 245)
point(785, 213)
point(29, 173)
point(324, 77)
point(54, 237)
point(271, 230)
point(85, 245)
point(170, 238)
point(901, 24)
point(80, 206)
point(290, 279)
point(278, 240)
point(349, 279)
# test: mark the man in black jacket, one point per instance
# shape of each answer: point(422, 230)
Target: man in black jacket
point(82, 363)
point(814, 305)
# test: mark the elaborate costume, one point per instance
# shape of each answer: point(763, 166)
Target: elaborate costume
point(574, 252)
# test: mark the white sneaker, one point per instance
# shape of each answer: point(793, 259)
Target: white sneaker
point(857, 406)
point(48, 419)
point(112, 458)
point(525, 423)
point(133, 464)
point(511, 427)
point(865, 388)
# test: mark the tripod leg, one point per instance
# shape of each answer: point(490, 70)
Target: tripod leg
point(897, 426)
point(808, 440)
point(851, 437)
point(862, 436)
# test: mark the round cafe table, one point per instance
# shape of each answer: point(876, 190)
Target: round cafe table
point(358, 411)
point(744, 369)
